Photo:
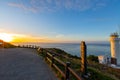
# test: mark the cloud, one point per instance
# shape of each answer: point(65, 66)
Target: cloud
point(55, 5)
point(1, 30)
point(22, 6)
point(99, 5)
point(60, 36)
point(98, 19)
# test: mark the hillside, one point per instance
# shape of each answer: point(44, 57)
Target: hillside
point(95, 69)
point(6, 44)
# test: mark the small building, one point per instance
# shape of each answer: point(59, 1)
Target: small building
point(104, 59)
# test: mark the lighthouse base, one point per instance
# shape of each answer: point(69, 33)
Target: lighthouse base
point(114, 61)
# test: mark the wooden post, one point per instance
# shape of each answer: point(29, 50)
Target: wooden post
point(44, 54)
point(38, 49)
point(67, 72)
point(52, 60)
point(42, 51)
point(83, 58)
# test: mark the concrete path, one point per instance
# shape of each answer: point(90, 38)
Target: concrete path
point(23, 64)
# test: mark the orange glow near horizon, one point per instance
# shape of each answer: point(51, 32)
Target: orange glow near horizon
point(28, 38)
point(6, 37)
point(19, 38)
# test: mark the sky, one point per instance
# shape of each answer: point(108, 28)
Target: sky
point(59, 20)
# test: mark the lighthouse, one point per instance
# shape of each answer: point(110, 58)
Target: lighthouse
point(115, 49)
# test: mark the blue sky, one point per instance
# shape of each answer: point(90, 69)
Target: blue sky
point(61, 20)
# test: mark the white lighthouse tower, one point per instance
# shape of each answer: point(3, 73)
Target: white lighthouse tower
point(115, 51)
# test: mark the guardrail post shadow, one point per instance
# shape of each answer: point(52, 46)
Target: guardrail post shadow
point(67, 72)
point(52, 59)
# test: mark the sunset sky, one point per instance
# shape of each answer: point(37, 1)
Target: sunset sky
point(59, 20)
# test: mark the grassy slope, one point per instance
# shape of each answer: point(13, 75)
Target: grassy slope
point(95, 69)
point(8, 45)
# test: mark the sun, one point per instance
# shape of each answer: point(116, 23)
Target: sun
point(6, 37)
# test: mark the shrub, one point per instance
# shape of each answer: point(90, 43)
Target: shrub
point(92, 58)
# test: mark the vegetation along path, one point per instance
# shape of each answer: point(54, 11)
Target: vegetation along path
point(23, 64)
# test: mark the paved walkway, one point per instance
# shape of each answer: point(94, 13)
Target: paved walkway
point(23, 64)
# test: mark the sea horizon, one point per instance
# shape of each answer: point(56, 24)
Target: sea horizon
point(96, 48)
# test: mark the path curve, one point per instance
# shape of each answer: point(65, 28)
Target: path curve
point(23, 64)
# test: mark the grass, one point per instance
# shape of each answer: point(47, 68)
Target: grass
point(97, 71)
point(111, 72)
point(98, 75)
point(7, 45)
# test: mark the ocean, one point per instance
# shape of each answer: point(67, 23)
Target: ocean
point(74, 48)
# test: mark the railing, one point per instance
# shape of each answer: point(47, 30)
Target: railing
point(50, 57)
point(53, 60)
